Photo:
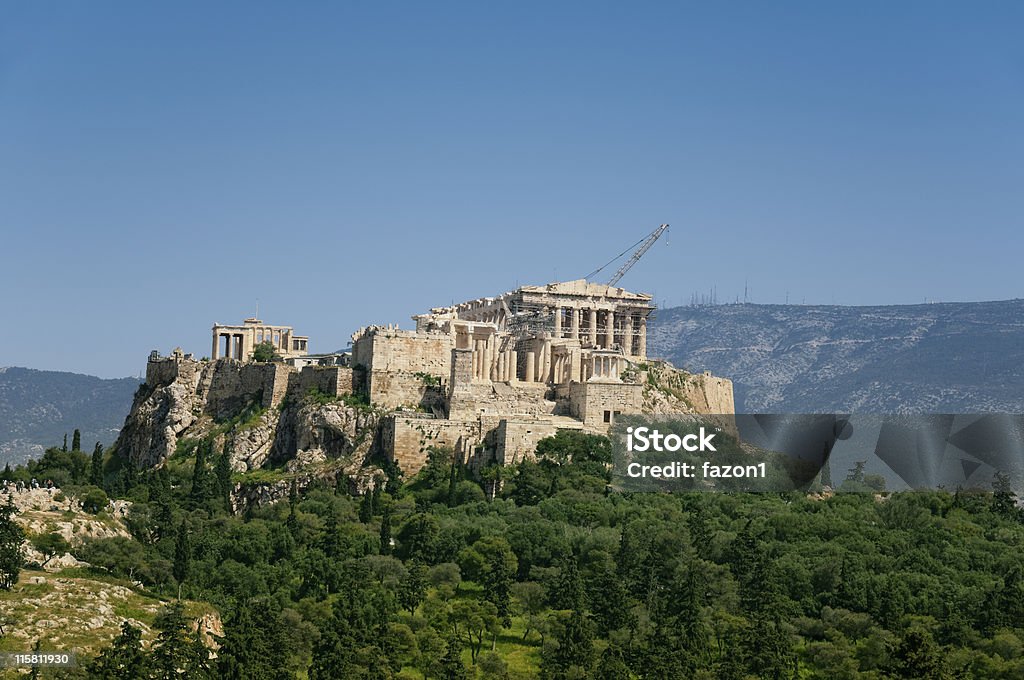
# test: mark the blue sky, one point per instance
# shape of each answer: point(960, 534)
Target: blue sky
point(163, 167)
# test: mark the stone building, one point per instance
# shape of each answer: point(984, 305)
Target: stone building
point(238, 342)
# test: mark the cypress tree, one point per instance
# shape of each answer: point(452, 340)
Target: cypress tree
point(498, 587)
point(11, 537)
point(385, 531)
point(200, 483)
point(222, 473)
point(182, 556)
point(96, 469)
point(64, 448)
point(76, 441)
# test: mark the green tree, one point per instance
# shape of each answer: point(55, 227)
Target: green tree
point(413, 587)
point(76, 441)
point(1004, 500)
point(177, 654)
point(385, 531)
point(200, 491)
point(94, 500)
point(50, 545)
point(498, 587)
point(182, 555)
point(253, 644)
point(265, 352)
point(96, 467)
point(450, 666)
point(571, 656)
point(222, 475)
point(918, 657)
point(124, 659)
point(11, 537)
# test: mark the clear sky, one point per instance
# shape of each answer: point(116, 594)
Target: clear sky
point(165, 167)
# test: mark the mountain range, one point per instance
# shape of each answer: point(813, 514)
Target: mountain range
point(37, 408)
point(956, 357)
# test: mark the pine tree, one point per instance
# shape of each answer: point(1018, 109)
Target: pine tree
point(96, 469)
point(178, 655)
point(612, 665)
point(11, 537)
point(76, 441)
point(251, 648)
point(451, 666)
point(124, 659)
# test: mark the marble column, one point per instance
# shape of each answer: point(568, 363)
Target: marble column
point(531, 366)
point(609, 331)
point(642, 350)
point(558, 322)
point(593, 327)
point(575, 324)
point(627, 338)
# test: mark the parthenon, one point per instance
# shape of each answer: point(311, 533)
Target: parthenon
point(238, 342)
point(561, 332)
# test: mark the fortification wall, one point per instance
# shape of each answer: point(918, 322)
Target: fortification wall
point(711, 394)
point(229, 386)
point(596, 403)
point(516, 439)
point(406, 439)
point(333, 380)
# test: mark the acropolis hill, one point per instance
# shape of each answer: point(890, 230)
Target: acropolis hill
point(488, 378)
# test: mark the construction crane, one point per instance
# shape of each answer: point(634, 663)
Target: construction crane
point(645, 245)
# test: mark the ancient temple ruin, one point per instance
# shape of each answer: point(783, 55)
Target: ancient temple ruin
point(239, 342)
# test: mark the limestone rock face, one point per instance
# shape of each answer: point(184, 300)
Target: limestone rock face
point(308, 437)
point(336, 430)
point(251, 446)
point(158, 417)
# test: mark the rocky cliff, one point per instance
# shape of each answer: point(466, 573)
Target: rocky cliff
point(274, 428)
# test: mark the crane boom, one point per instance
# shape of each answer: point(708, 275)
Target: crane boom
point(648, 242)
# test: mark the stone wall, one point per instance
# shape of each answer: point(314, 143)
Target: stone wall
point(228, 386)
point(711, 394)
point(406, 438)
point(333, 380)
point(400, 365)
point(595, 403)
point(516, 439)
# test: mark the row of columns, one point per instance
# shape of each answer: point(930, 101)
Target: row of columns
point(606, 338)
point(234, 346)
point(490, 362)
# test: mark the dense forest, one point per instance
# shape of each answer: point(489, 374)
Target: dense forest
point(555, 576)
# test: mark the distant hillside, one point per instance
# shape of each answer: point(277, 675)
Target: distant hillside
point(38, 407)
point(943, 357)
